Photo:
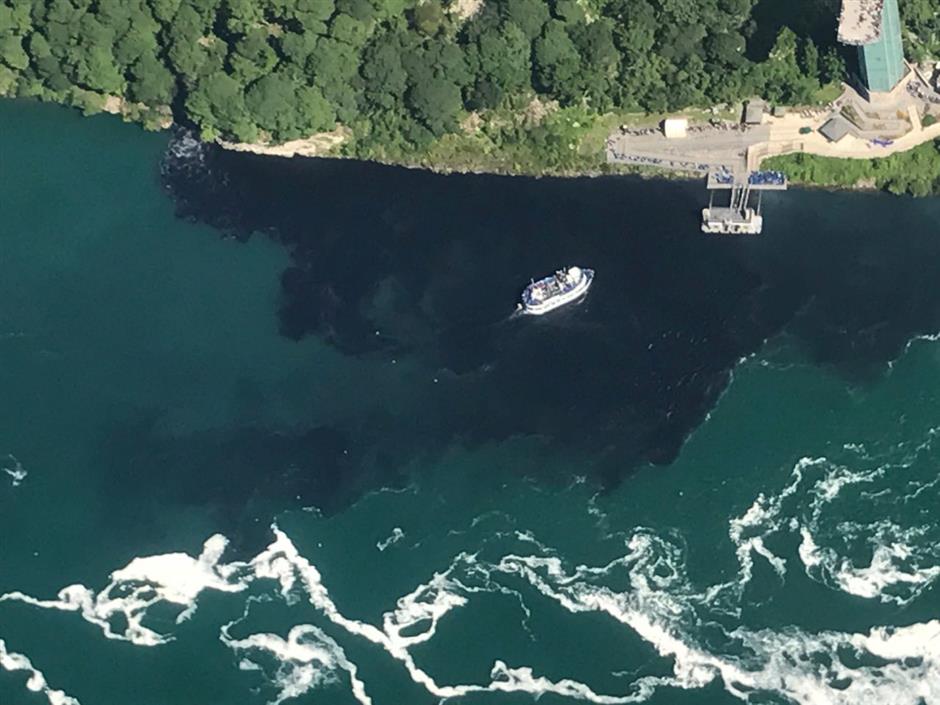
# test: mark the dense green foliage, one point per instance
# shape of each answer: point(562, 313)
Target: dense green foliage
point(403, 75)
point(916, 172)
point(922, 18)
point(399, 74)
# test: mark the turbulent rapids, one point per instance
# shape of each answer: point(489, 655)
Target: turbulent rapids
point(646, 590)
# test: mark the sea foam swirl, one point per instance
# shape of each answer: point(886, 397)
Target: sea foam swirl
point(12, 661)
point(847, 520)
point(854, 529)
point(654, 599)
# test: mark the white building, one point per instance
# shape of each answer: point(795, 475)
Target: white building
point(675, 128)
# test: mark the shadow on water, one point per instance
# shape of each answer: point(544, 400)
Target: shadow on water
point(391, 262)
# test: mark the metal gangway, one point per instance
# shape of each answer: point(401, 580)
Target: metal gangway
point(740, 215)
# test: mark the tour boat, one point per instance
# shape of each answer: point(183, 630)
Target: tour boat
point(563, 287)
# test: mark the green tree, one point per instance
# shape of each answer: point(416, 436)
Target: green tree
point(12, 52)
point(448, 60)
point(348, 29)
point(600, 61)
point(362, 10)
point(334, 68)
point(809, 58)
point(923, 23)
point(217, 105)
point(436, 102)
point(139, 39)
point(784, 81)
point(383, 73)
point(529, 15)
point(429, 17)
point(312, 15)
point(557, 62)
point(7, 80)
point(252, 56)
point(16, 19)
point(297, 47)
point(286, 108)
point(831, 67)
point(62, 12)
point(725, 49)
point(48, 67)
point(98, 71)
point(242, 16)
point(636, 25)
point(152, 83)
point(679, 42)
point(570, 11)
point(501, 61)
point(164, 10)
point(194, 60)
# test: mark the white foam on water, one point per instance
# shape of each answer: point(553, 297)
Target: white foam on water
point(903, 560)
point(12, 661)
point(638, 608)
point(529, 537)
point(176, 578)
point(524, 680)
point(923, 338)
point(824, 668)
point(308, 658)
point(828, 488)
point(659, 605)
point(802, 667)
point(764, 517)
point(12, 467)
point(415, 620)
point(890, 568)
point(396, 536)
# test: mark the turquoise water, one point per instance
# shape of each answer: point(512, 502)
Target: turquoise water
point(196, 508)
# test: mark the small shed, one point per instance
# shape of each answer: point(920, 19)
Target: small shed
point(779, 111)
point(754, 112)
point(835, 128)
point(675, 128)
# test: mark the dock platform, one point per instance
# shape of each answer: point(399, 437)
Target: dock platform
point(740, 216)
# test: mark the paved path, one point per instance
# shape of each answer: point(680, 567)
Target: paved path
point(705, 150)
point(785, 138)
point(740, 151)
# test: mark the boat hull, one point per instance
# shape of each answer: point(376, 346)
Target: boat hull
point(563, 299)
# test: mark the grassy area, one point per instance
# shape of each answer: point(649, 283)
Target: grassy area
point(556, 141)
point(563, 142)
point(915, 172)
point(828, 93)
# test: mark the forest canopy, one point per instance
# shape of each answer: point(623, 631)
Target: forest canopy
point(400, 74)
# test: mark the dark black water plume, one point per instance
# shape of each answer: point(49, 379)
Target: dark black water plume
point(391, 262)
